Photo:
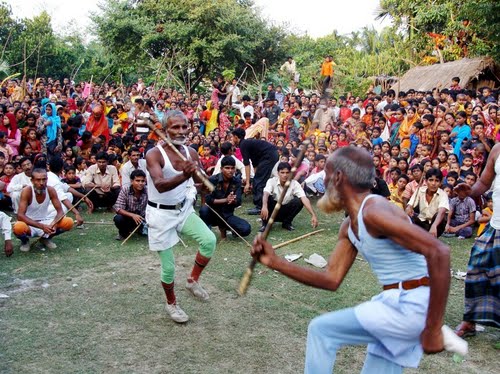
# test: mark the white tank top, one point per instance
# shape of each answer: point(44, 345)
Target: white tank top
point(38, 211)
point(495, 219)
point(179, 193)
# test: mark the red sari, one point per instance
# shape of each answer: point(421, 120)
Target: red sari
point(97, 124)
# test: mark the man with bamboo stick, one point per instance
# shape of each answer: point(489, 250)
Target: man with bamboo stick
point(411, 265)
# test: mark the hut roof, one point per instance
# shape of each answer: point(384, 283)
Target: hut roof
point(424, 78)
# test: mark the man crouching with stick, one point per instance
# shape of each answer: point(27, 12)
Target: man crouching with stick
point(413, 267)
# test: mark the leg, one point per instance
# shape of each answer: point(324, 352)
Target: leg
point(240, 225)
point(168, 274)
point(260, 178)
point(376, 364)
point(95, 198)
point(124, 224)
point(167, 282)
point(23, 232)
point(288, 211)
point(327, 333)
point(207, 216)
point(196, 229)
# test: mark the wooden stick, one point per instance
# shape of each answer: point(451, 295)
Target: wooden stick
point(132, 233)
point(198, 172)
point(98, 223)
point(297, 239)
point(182, 242)
point(247, 277)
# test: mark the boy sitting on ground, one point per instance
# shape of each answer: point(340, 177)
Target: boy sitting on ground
point(461, 216)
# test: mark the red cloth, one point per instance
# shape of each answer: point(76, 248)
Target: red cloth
point(98, 126)
point(11, 133)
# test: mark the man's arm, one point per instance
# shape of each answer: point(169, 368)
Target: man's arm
point(7, 233)
point(488, 175)
point(339, 263)
point(121, 207)
point(383, 220)
point(307, 205)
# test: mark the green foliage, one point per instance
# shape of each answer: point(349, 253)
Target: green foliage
point(418, 17)
point(204, 36)
point(359, 57)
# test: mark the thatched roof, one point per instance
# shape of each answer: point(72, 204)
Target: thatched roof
point(424, 78)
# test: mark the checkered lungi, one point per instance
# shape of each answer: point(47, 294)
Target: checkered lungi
point(482, 283)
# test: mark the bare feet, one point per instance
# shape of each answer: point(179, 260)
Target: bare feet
point(465, 329)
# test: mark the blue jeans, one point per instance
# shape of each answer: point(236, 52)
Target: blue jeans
point(330, 331)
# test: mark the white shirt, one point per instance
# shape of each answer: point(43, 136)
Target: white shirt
point(6, 226)
point(274, 188)
point(428, 210)
point(128, 168)
point(18, 182)
point(60, 187)
point(244, 109)
point(235, 93)
point(239, 166)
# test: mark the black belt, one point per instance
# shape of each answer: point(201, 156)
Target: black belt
point(177, 206)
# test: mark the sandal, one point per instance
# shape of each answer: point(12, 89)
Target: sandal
point(465, 330)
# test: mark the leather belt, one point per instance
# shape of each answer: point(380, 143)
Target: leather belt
point(408, 284)
point(177, 206)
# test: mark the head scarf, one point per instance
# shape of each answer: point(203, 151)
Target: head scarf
point(72, 104)
point(51, 129)
point(13, 126)
point(98, 126)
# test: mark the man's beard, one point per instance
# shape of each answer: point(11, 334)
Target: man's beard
point(39, 191)
point(178, 141)
point(331, 201)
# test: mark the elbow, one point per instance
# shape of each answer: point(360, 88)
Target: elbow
point(441, 256)
point(333, 285)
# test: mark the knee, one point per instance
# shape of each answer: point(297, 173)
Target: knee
point(204, 213)
point(207, 245)
point(21, 228)
point(246, 229)
point(118, 219)
point(65, 224)
point(315, 327)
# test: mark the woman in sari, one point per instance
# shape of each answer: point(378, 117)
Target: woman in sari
point(404, 130)
point(12, 132)
point(97, 124)
point(50, 128)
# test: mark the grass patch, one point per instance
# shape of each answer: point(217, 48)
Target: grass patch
point(94, 306)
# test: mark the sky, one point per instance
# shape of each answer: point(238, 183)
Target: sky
point(314, 17)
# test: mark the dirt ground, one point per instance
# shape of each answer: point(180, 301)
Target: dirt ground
point(98, 308)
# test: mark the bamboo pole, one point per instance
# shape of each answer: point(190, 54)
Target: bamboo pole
point(297, 239)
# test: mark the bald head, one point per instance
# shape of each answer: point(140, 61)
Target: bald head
point(356, 164)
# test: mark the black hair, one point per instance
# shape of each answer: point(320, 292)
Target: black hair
point(239, 133)
point(56, 164)
point(227, 161)
point(225, 148)
point(284, 165)
point(133, 149)
point(137, 173)
point(101, 156)
point(434, 172)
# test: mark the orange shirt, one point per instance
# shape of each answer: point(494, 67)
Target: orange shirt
point(327, 69)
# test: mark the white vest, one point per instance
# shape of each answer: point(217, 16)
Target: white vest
point(176, 195)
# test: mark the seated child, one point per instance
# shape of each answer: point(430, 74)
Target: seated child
point(461, 216)
point(486, 214)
